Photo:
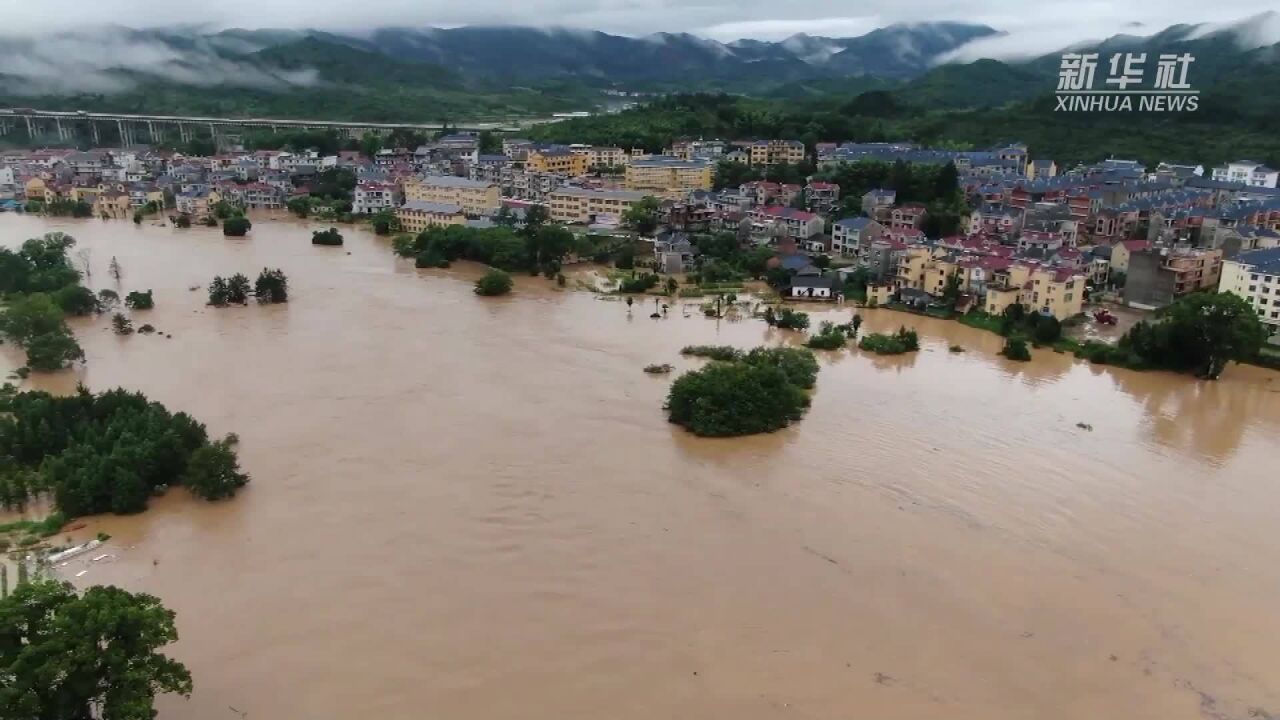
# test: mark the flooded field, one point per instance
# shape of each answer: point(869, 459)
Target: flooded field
point(474, 508)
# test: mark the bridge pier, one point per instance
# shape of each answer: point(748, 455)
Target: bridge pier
point(93, 127)
point(30, 132)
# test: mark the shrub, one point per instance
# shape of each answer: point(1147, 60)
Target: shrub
point(494, 282)
point(121, 324)
point(271, 286)
point(902, 341)
point(638, 284)
point(326, 237)
point(236, 226)
point(715, 352)
point(735, 398)
point(1015, 348)
point(182, 221)
point(139, 300)
point(828, 337)
point(787, 319)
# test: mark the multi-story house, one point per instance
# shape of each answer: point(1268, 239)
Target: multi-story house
point(821, 196)
point(1158, 276)
point(475, 197)
point(112, 204)
point(601, 157)
point(668, 176)
point(796, 224)
point(557, 160)
point(775, 152)
point(850, 236)
point(910, 215)
point(697, 149)
point(1255, 276)
point(1042, 169)
point(1121, 252)
point(371, 197)
point(261, 196)
point(578, 205)
point(1049, 291)
point(197, 204)
point(1250, 173)
point(877, 200)
point(418, 215)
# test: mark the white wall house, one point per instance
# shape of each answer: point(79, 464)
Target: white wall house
point(1255, 276)
point(1247, 172)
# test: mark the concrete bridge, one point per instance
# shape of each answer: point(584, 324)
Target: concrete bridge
point(67, 125)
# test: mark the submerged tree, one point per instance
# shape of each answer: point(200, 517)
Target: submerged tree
point(218, 293)
point(121, 324)
point(238, 289)
point(271, 286)
point(66, 656)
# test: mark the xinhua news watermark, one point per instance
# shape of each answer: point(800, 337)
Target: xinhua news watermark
point(1124, 88)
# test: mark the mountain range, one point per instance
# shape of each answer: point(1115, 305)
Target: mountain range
point(410, 73)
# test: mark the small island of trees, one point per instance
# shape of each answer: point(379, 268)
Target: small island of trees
point(742, 393)
point(902, 341)
point(235, 226)
point(494, 282)
point(106, 453)
point(272, 286)
point(326, 237)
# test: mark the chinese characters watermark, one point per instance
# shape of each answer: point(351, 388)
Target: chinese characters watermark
point(1125, 77)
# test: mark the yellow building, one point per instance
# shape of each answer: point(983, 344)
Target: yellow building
point(775, 152)
point(599, 156)
point(913, 268)
point(1121, 251)
point(559, 160)
point(668, 176)
point(85, 194)
point(576, 205)
point(36, 189)
point(418, 215)
point(113, 204)
point(1055, 291)
point(879, 293)
point(476, 197)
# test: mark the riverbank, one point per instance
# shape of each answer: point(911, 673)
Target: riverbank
point(505, 462)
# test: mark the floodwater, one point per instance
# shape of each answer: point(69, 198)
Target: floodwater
point(473, 508)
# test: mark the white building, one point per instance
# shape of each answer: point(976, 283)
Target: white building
point(1255, 276)
point(372, 197)
point(1247, 172)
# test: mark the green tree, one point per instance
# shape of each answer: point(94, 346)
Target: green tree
point(271, 286)
point(121, 324)
point(326, 237)
point(1015, 348)
point(224, 210)
point(951, 290)
point(238, 289)
point(136, 300)
point(299, 206)
point(494, 282)
point(370, 144)
point(236, 226)
point(108, 299)
point(182, 222)
point(490, 143)
point(384, 222)
point(53, 350)
point(642, 216)
point(218, 293)
point(535, 216)
point(213, 472)
point(505, 217)
point(68, 657)
point(76, 300)
point(741, 397)
point(1199, 333)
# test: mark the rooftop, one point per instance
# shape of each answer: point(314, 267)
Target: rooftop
point(1263, 261)
point(454, 182)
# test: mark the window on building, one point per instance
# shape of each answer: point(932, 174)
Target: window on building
point(1253, 288)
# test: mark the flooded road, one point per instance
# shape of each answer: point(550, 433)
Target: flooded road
point(474, 508)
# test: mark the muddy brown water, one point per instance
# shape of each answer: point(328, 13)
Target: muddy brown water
point(474, 508)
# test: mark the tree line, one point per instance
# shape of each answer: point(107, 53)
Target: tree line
point(108, 452)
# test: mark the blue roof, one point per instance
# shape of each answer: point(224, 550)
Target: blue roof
point(1265, 261)
point(853, 223)
point(795, 262)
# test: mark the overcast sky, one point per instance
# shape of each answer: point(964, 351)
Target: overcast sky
point(1032, 26)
